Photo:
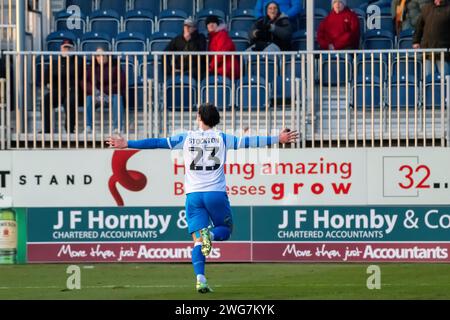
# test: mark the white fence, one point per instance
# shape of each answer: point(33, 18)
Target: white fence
point(339, 99)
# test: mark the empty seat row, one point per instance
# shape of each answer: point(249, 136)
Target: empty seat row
point(143, 21)
point(157, 6)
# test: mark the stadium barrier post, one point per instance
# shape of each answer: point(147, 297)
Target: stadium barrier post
point(2, 113)
point(448, 110)
point(8, 101)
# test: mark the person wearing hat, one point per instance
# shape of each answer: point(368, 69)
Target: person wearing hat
point(220, 41)
point(291, 8)
point(340, 29)
point(274, 30)
point(54, 101)
point(189, 41)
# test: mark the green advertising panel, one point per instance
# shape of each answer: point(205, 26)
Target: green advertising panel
point(363, 224)
point(120, 224)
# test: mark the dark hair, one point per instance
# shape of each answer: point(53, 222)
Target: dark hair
point(209, 114)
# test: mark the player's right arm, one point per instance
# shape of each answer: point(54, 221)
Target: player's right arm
point(174, 142)
point(285, 136)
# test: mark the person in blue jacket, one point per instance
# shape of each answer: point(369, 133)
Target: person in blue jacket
point(289, 7)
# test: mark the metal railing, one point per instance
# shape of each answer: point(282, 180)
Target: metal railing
point(7, 25)
point(344, 99)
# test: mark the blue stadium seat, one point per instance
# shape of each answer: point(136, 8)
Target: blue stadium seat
point(202, 15)
point(160, 40)
point(378, 39)
point(299, 40)
point(209, 89)
point(133, 70)
point(242, 19)
point(357, 4)
point(364, 66)
point(187, 6)
point(86, 6)
point(130, 41)
point(240, 40)
point(266, 68)
point(301, 22)
point(92, 40)
point(222, 5)
point(401, 89)
point(368, 93)
point(399, 67)
point(319, 15)
point(55, 39)
point(154, 6)
point(330, 74)
point(381, 3)
point(119, 6)
point(150, 68)
point(255, 90)
point(171, 21)
point(299, 66)
point(362, 19)
point(434, 91)
point(405, 39)
point(246, 4)
point(139, 21)
point(282, 84)
point(322, 4)
point(64, 20)
point(105, 21)
point(176, 87)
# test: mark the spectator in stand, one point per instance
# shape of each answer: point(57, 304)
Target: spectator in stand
point(273, 32)
point(291, 8)
point(406, 13)
point(191, 40)
point(340, 29)
point(220, 41)
point(430, 33)
point(95, 78)
point(59, 80)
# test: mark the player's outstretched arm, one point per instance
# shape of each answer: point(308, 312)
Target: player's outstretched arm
point(285, 136)
point(118, 142)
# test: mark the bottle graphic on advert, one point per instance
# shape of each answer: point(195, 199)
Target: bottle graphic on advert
point(8, 236)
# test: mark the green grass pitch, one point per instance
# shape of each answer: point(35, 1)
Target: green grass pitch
point(230, 281)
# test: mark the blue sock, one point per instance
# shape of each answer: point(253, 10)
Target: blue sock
point(198, 260)
point(221, 233)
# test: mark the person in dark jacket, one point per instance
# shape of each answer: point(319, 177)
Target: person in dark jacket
point(290, 7)
point(340, 29)
point(54, 100)
point(117, 94)
point(272, 29)
point(432, 32)
point(190, 41)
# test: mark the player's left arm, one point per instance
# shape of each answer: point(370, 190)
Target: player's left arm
point(285, 136)
point(174, 142)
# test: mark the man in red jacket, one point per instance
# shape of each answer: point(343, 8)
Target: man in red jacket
point(340, 29)
point(219, 40)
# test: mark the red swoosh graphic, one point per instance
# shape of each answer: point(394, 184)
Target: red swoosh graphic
point(129, 179)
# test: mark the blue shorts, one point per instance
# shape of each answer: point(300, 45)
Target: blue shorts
point(203, 207)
